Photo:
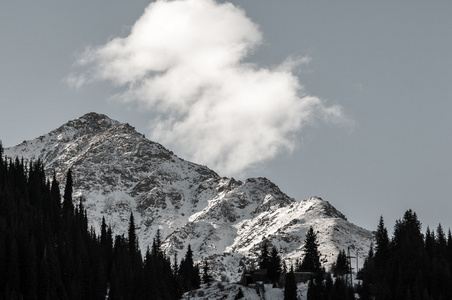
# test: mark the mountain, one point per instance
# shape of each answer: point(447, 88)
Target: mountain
point(116, 171)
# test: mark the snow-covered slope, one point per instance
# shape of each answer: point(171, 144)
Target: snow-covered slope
point(116, 171)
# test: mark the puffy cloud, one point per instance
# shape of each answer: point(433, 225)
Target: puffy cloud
point(186, 61)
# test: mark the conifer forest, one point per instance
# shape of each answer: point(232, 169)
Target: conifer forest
point(48, 251)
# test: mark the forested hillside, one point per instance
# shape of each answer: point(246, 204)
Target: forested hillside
point(409, 265)
point(118, 171)
point(47, 250)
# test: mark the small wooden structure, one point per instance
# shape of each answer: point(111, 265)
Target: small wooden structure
point(252, 277)
point(302, 276)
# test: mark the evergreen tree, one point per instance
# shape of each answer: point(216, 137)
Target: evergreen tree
point(158, 241)
point(48, 252)
point(316, 288)
point(270, 261)
point(414, 268)
point(408, 246)
point(156, 245)
point(341, 291)
point(290, 286)
point(103, 232)
point(328, 294)
point(188, 272)
point(441, 242)
point(311, 259)
point(449, 250)
point(55, 200)
point(382, 239)
point(264, 258)
point(132, 236)
point(274, 265)
point(158, 270)
point(341, 266)
point(175, 266)
point(366, 274)
point(68, 206)
point(196, 279)
point(430, 242)
point(206, 277)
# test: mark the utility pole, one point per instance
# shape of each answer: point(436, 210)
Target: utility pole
point(349, 277)
point(357, 261)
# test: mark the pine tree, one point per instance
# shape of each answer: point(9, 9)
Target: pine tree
point(367, 274)
point(449, 249)
point(441, 242)
point(175, 266)
point(188, 272)
point(341, 266)
point(196, 277)
point(430, 242)
point(68, 206)
point(156, 244)
point(311, 259)
point(206, 277)
point(415, 267)
point(264, 258)
point(274, 268)
point(290, 286)
point(316, 288)
point(55, 200)
point(132, 236)
point(103, 232)
point(406, 255)
point(328, 286)
point(382, 239)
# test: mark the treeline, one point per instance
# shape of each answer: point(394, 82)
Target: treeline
point(47, 250)
point(409, 265)
point(321, 284)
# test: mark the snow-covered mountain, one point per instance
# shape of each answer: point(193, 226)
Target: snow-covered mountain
point(116, 170)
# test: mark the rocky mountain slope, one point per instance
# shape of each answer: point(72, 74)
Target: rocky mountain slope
point(117, 171)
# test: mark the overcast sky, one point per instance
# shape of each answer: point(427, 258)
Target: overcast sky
point(349, 101)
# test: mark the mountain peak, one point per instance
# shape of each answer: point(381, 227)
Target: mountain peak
point(90, 123)
point(318, 204)
point(94, 117)
point(116, 171)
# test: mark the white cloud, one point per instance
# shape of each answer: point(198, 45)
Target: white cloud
point(185, 60)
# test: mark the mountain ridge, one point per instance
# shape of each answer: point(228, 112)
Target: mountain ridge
point(116, 171)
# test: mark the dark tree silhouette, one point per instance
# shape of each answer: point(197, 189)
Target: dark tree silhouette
point(206, 277)
point(274, 268)
point(264, 258)
point(290, 286)
point(48, 252)
point(68, 205)
point(341, 266)
point(188, 272)
point(311, 258)
point(410, 266)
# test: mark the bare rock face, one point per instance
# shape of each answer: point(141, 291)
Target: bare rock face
point(116, 170)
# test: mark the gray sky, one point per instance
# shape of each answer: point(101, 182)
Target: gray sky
point(387, 65)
